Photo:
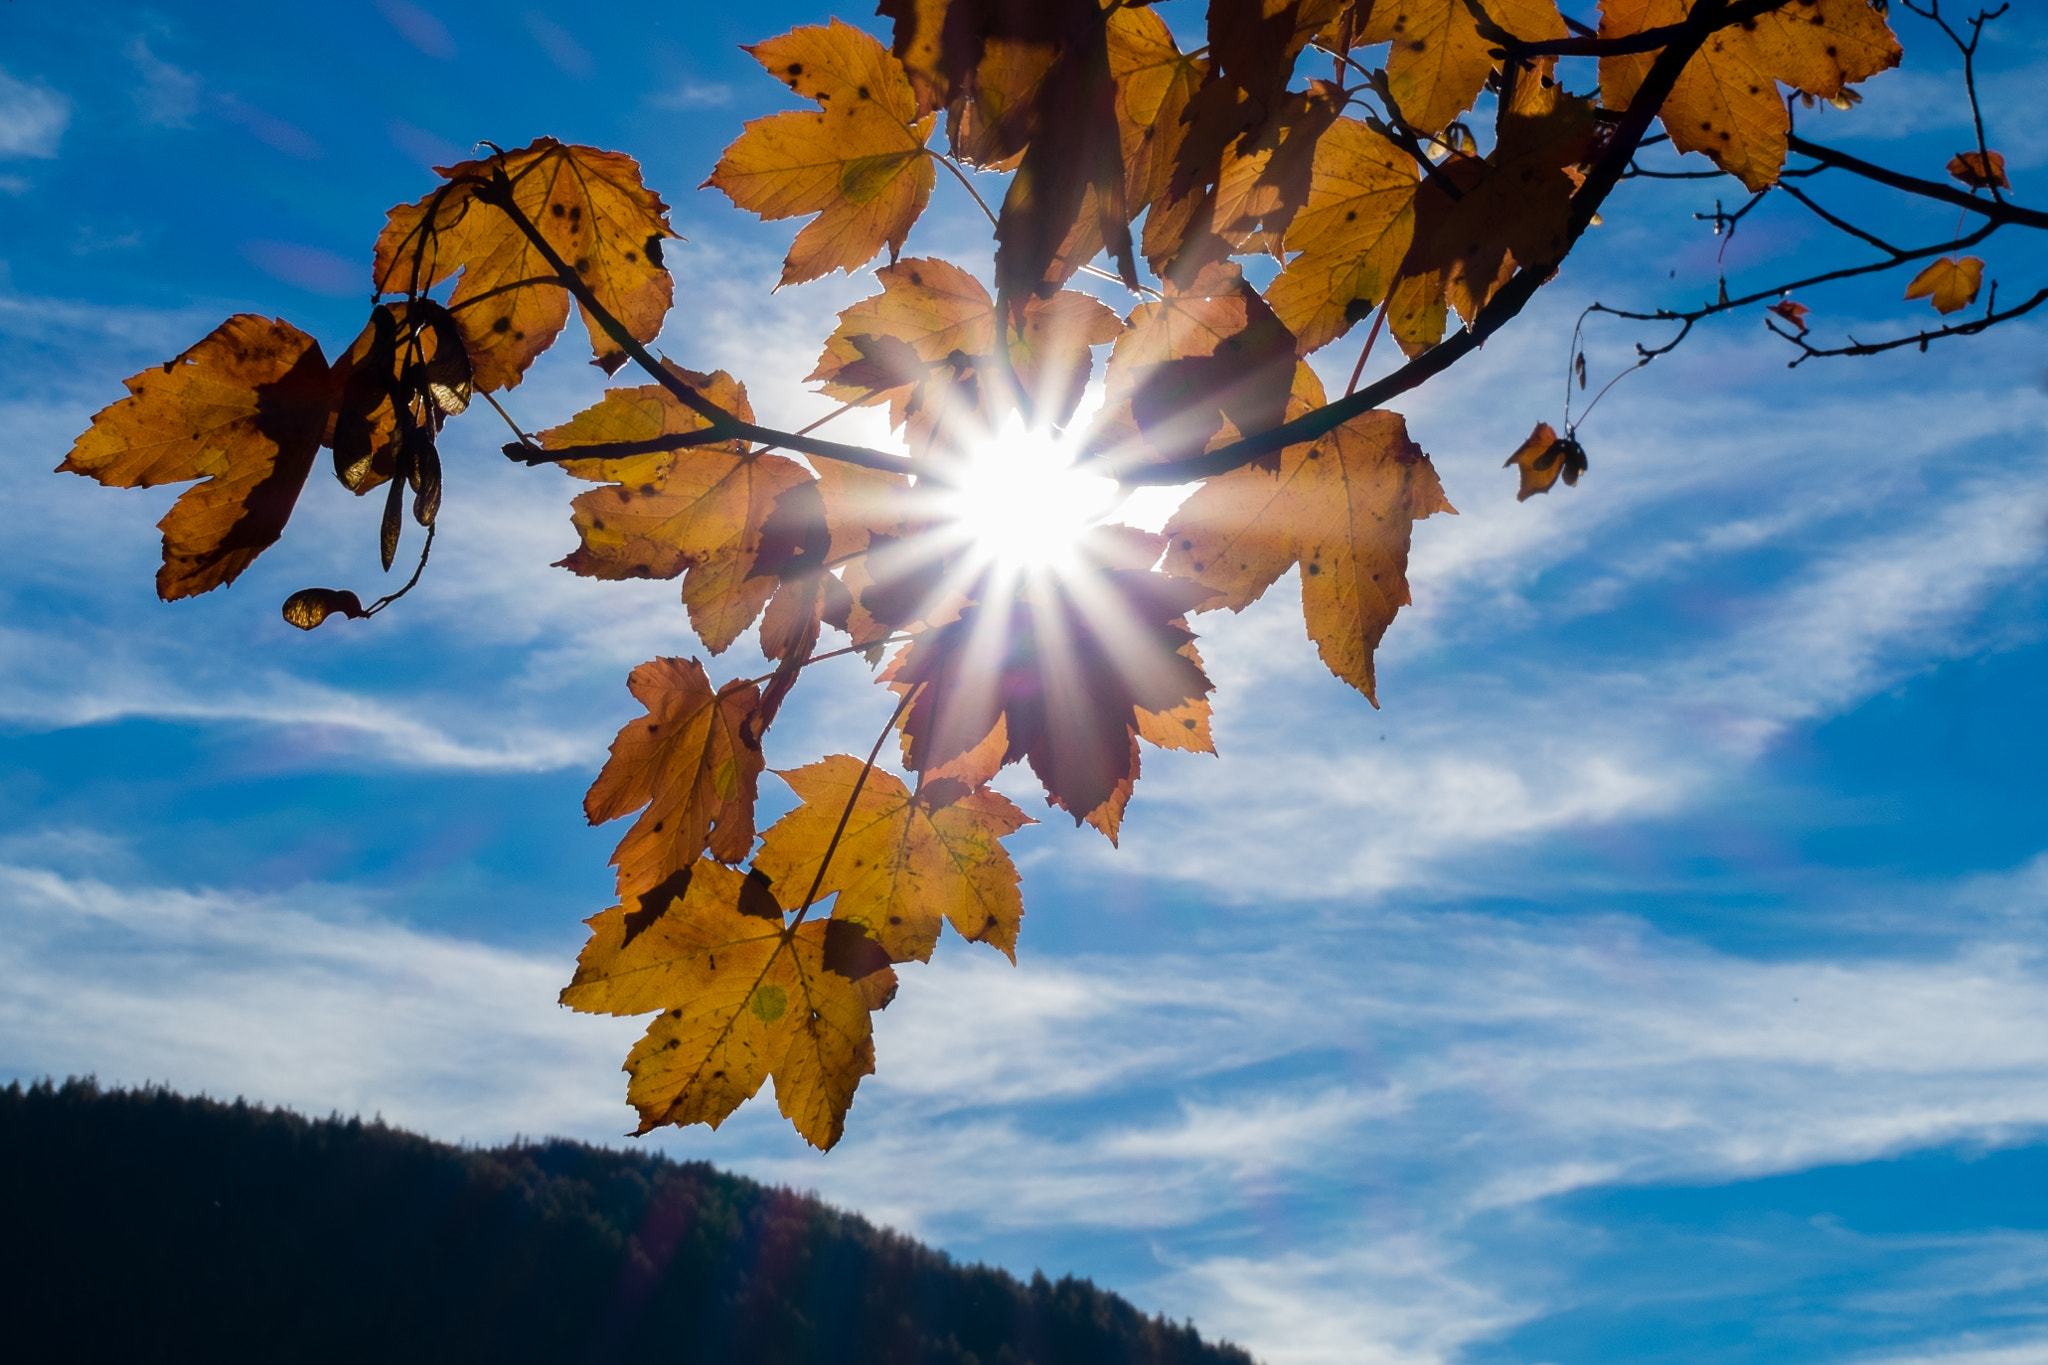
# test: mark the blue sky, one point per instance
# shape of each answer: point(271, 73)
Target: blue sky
point(1658, 976)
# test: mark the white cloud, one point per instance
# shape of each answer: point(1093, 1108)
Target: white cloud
point(32, 119)
point(168, 95)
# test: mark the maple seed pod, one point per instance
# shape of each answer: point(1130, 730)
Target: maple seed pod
point(308, 607)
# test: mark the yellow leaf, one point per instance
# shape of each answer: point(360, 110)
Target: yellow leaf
point(858, 161)
point(1440, 58)
point(1352, 235)
point(1950, 284)
point(698, 511)
point(742, 998)
point(1154, 82)
point(1342, 509)
point(691, 762)
point(1726, 102)
point(243, 410)
point(906, 860)
point(592, 209)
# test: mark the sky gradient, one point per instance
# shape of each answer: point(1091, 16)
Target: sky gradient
point(1657, 976)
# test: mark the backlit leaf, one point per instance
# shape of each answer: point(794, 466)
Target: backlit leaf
point(689, 761)
point(592, 209)
point(1950, 283)
point(1726, 102)
point(1440, 57)
point(1979, 170)
point(742, 998)
point(1066, 668)
point(858, 161)
point(244, 411)
point(906, 861)
point(1351, 235)
point(1342, 509)
point(697, 511)
point(1545, 458)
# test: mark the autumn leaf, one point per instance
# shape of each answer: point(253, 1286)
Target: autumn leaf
point(906, 861)
point(592, 209)
point(1980, 170)
point(1199, 358)
point(1351, 236)
point(931, 340)
point(1154, 82)
point(1792, 311)
point(1342, 509)
point(1267, 179)
point(1726, 102)
point(742, 998)
point(243, 411)
point(1065, 668)
point(1515, 206)
point(690, 763)
point(858, 162)
point(1950, 284)
point(698, 511)
point(1252, 48)
point(1545, 458)
point(1440, 56)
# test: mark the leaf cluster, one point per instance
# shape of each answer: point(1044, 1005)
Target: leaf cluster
point(1418, 167)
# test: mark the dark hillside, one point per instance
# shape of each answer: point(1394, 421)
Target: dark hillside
point(143, 1226)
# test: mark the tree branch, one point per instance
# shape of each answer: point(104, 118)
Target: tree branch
point(1998, 210)
point(497, 192)
point(1990, 319)
point(1505, 305)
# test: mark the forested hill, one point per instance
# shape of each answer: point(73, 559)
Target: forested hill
point(140, 1225)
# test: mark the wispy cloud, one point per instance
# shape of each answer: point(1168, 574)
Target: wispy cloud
point(169, 95)
point(32, 119)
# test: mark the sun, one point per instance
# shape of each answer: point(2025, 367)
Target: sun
point(1021, 505)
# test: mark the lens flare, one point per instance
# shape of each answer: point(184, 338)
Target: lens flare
point(1020, 503)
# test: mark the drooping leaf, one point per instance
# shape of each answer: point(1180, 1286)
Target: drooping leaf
point(1443, 49)
point(742, 998)
point(1791, 310)
point(1950, 283)
point(906, 862)
point(1200, 358)
point(690, 763)
point(1066, 668)
point(858, 161)
point(1351, 235)
point(1342, 508)
point(1980, 170)
point(592, 209)
point(1726, 102)
point(244, 411)
point(699, 511)
point(1545, 458)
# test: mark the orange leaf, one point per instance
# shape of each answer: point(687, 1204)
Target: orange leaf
point(589, 205)
point(1342, 509)
point(1544, 458)
point(1979, 170)
point(689, 762)
point(243, 410)
point(858, 161)
point(699, 511)
point(1440, 57)
point(1950, 284)
point(1351, 235)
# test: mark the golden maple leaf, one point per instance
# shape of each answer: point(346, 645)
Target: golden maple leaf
point(1351, 236)
point(691, 763)
point(592, 209)
point(243, 410)
point(858, 161)
point(906, 861)
point(1950, 283)
point(742, 996)
point(1440, 56)
point(1726, 102)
